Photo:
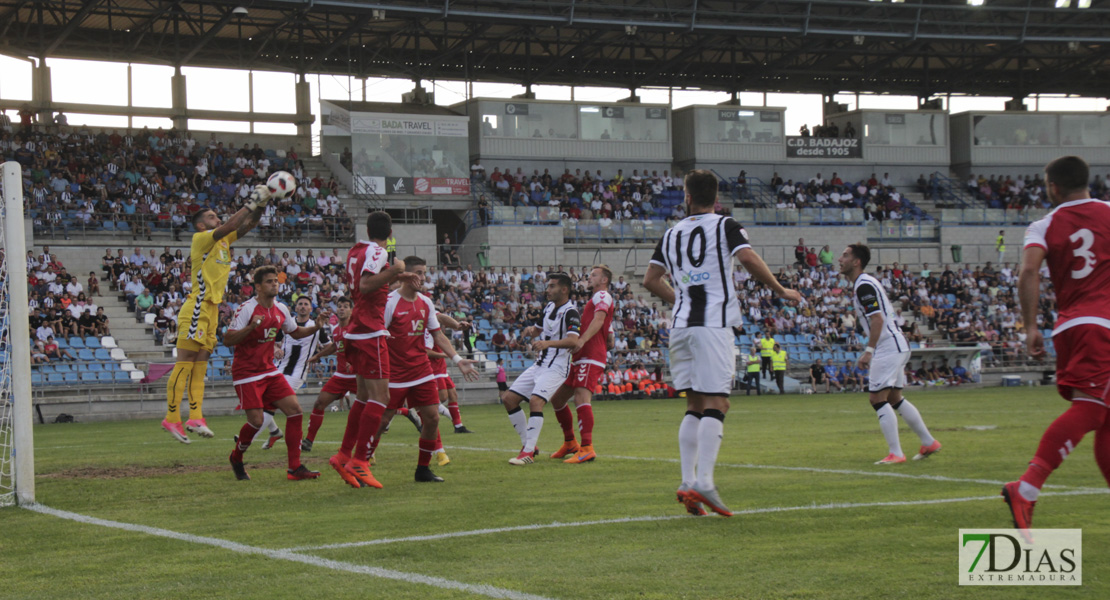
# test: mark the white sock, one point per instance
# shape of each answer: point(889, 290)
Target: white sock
point(688, 447)
point(443, 411)
point(535, 425)
point(268, 423)
point(914, 420)
point(1028, 491)
point(710, 431)
point(520, 424)
point(888, 422)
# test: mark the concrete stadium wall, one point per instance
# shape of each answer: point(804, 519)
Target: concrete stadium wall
point(978, 243)
point(902, 176)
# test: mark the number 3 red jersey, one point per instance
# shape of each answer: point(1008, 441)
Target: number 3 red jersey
point(1076, 239)
point(368, 315)
point(594, 351)
point(407, 321)
point(254, 357)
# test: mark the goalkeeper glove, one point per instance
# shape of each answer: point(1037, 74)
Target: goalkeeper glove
point(260, 197)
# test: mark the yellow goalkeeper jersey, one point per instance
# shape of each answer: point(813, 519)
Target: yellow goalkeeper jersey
point(211, 262)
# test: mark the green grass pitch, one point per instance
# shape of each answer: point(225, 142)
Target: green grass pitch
point(802, 453)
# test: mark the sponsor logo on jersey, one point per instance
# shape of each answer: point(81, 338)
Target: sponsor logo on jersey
point(696, 277)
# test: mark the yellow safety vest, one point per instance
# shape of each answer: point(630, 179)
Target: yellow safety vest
point(753, 367)
point(391, 244)
point(778, 360)
point(767, 346)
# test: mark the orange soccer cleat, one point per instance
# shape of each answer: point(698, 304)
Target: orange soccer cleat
point(568, 448)
point(361, 471)
point(584, 454)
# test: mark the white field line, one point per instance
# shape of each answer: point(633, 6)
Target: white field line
point(750, 511)
point(895, 474)
point(288, 555)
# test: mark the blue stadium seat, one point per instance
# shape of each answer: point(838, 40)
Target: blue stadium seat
point(516, 365)
point(481, 346)
point(109, 225)
point(63, 368)
point(104, 377)
point(103, 354)
point(95, 367)
point(223, 351)
point(121, 376)
point(70, 378)
point(85, 354)
point(88, 377)
point(123, 226)
point(62, 343)
point(92, 342)
point(55, 379)
point(36, 378)
point(76, 342)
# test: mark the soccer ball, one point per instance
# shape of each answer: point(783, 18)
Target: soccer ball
point(281, 185)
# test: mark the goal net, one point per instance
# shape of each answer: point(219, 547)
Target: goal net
point(17, 482)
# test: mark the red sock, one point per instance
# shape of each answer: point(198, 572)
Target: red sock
point(403, 411)
point(368, 429)
point(439, 442)
point(350, 434)
point(293, 426)
point(427, 448)
point(315, 420)
point(456, 416)
point(566, 421)
point(586, 424)
point(246, 436)
point(1061, 438)
point(1102, 449)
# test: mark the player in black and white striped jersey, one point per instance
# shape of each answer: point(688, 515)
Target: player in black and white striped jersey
point(558, 337)
point(887, 354)
point(292, 360)
point(697, 253)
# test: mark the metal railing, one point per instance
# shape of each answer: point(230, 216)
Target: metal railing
point(946, 191)
point(906, 230)
point(799, 216)
point(990, 216)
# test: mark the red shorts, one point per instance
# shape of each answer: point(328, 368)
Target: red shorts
point(1081, 363)
point(369, 359)
point(421, 394)
point(445, 383)
point(584, 375)
point(338, 386)
point(263, 392)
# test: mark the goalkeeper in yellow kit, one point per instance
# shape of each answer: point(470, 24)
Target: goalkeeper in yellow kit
point(199, 317)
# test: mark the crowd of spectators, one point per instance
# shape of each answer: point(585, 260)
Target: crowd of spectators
point(60, 307)
point(583, 195)
point(142, 181)
point(878, 197)
point(831, 130)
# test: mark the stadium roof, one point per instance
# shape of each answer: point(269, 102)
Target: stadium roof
point(923, 47)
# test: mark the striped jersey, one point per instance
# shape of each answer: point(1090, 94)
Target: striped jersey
point(558, 323)
point(697, 252)
point(294, 360)
point(870, 298)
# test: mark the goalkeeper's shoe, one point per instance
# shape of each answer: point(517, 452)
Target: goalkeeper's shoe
point(414, 419)
point(568, 448)
point(462, 429)
point(442, 459)
point(306, 445)
point(199, 427)
point(425, 474)
point(274, 437)
point(177, 431)
point(301, 472)
point(891, 459)
point(237, 466)
point(710, 498)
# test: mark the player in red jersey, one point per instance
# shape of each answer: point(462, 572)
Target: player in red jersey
point(369, 276)
point(1075, 240)
point(587, 366)
point(342, 381)
point(448, 393)
point(258, 383)
point(408, 315)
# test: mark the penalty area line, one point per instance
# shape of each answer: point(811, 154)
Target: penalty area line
point(488, 591)
point(647, 519)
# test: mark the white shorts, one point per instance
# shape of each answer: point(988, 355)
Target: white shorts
point(888, 370)
point(538, 381)
point(702, 360)
point(294, 383)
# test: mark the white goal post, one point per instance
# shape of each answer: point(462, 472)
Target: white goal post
point(17, 465)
